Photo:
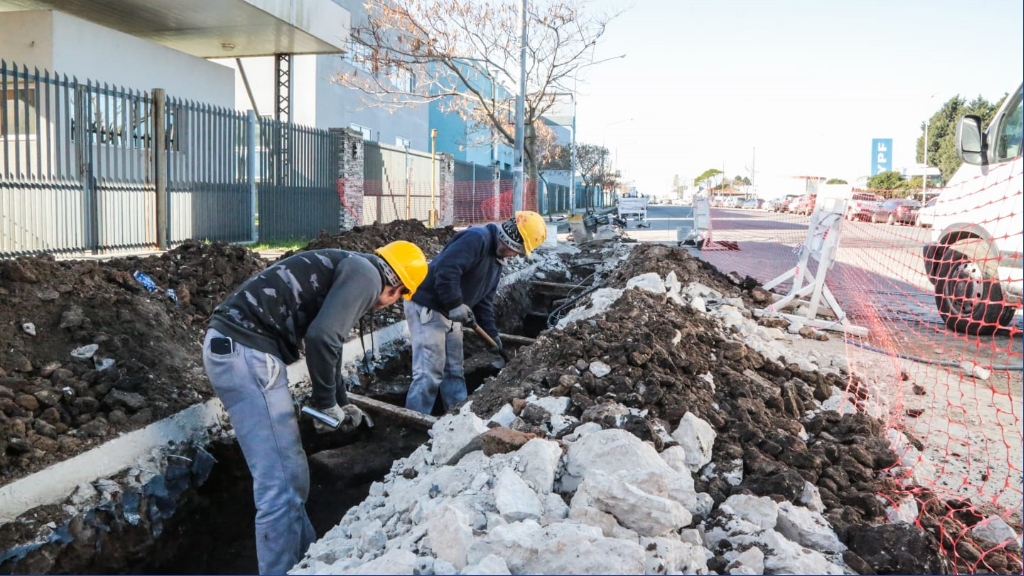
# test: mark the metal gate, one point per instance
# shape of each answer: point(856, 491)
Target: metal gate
point(398, 184)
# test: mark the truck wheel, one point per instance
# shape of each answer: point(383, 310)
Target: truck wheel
point(970, 301)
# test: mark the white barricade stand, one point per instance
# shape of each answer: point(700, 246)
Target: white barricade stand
point(821, 244)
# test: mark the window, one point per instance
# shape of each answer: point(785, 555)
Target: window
point(367, 133)
point(360, 56)
point(401, 79)
point(1008, 142)
point(403, 142)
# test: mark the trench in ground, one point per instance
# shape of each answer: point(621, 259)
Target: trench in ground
point(208, 527)
point(219, 538)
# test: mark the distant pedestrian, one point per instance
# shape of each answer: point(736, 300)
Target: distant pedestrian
point(459, 291)
point(314, 297)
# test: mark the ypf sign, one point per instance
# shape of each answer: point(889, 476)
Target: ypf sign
point(881, 155)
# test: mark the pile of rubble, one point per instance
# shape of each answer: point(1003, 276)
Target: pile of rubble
point(662, 430)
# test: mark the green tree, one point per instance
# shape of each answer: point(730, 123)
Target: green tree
point(942, 131)
point(836, 181)
point(707, 177)
point(888, 182)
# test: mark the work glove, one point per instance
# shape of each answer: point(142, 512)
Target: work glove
point(463, 314)
point(349, 415)
point(498, 347)
point(353, 418)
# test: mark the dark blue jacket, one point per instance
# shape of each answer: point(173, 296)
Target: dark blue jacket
point(465, 272)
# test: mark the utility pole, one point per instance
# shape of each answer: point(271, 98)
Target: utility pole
point(753, 166)
point(517, 168)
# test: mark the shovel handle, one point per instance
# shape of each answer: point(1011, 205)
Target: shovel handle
point(487, 338)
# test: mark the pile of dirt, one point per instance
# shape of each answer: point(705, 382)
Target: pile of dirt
point(368, 238)
point(87, 352)
point(668, 360)
point(147, 361)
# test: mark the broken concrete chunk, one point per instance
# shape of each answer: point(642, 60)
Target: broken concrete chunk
point(752, 559)
point(760, 511)
point(540, 460)
point(29, 328)
point(85, 352)
point(449, 535)
point(514, 498)
point(452, 432)
point(697, 438)
point(994, 530)
point(645, 513)
point(972, 369)
point(649, 281)
point(807, 528)
point(599, 369)
point(490, 564)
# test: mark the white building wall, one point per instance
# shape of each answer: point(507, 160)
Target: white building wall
point(26, 39)
point(263, 83)
point(68, 45)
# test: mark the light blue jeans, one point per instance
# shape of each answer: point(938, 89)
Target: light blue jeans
point(253, 386)
point(436, 359)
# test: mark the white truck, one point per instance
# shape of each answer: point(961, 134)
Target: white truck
point(975, 256)
point(633, 205)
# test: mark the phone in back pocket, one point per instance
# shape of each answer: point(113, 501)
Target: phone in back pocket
point(221, 345)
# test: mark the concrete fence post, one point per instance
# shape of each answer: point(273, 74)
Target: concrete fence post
point(349, 176)
point(160, 168)
point(497, 193)
point(446, 189)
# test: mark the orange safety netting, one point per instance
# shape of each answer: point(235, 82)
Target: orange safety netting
point(941, 362)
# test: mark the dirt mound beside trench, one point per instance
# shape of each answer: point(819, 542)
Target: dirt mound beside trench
point(144, 363)
point(668, 360)
point(369, 238)
point(54, 406)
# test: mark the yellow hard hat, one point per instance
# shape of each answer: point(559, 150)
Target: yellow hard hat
point(532, 228)
point(408, 261)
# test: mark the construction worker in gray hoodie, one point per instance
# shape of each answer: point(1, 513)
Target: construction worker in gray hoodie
point(459, 292)
point(314, 297)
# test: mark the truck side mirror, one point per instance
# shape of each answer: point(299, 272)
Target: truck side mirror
point(970, 142)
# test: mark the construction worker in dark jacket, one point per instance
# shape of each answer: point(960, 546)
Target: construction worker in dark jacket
point(459, 291)
point(315, 297)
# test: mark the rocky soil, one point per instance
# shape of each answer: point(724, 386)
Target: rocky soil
point(666, 432)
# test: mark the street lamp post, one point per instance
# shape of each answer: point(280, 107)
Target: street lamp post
point(517, 169)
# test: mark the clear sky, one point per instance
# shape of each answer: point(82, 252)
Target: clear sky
point(791, 87)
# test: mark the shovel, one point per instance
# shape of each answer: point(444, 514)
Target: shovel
point(487, 338)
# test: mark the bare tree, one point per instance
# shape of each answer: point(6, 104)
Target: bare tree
point(592, 163)
point(463, 53)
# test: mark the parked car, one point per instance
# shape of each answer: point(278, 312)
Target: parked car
point(863, 205)
point(752, 204)
point(926, 215)
point(976, 255)
point(782, 204)
point(732, 202)
point(804, 204)
point(897, 211)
